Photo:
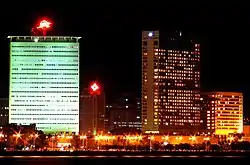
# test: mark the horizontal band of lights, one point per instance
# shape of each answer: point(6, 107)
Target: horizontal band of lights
point(44, 85)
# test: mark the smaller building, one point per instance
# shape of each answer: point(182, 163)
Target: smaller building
point(246, 120)
point(125, 115)
point(92, 112)
point(4, 111)
point(246, 130)
point(223, 112)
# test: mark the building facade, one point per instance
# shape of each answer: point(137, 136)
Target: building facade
point(44, 82)
point(246, 120)
point(92, 112)
point(4, 111)
point(246, 130)
point(170, 83)
point(223, 112)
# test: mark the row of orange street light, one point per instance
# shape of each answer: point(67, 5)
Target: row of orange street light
point(127, 138)
point(108, 137)
point(18, 135)
point(139, 137)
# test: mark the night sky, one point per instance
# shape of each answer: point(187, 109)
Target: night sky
point(111, 44)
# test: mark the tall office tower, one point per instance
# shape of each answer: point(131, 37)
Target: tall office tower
point(44, 82)
point(170, 83)
point(223, 112)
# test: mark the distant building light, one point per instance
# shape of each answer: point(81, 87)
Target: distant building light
point(126, 99)
point(138, 117)
point(150, 34)
point(126, 106)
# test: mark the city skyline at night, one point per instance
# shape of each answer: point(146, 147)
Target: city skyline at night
point(87, 82)
point(222, 64)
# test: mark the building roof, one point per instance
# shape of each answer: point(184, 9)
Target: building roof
point(44, 38)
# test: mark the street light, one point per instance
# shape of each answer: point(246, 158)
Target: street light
point(97, 138)
point(165, 138)
point(139, 137)
point(34, 138)
point(206, 139)
point(192, 138)
point(1, 136)
point(53, 137)
point(18, 135)
point(150, 142)
point(84, 141)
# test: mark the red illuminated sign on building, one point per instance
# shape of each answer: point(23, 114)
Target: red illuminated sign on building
point(44, 24)
point(94, 89)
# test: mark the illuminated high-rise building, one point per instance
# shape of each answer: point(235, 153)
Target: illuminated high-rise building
point(44, 82)
point(170, 83)
point(223, 112)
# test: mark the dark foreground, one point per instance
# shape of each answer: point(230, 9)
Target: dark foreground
point(127, 161)
point(128, 158)
point(17, 154)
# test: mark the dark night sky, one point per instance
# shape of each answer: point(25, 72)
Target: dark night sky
point(110, 49)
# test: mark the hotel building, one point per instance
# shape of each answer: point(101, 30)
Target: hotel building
point(223, 112)
point(44, 82)
point(170, 83)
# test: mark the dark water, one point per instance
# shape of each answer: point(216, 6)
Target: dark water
point(128, 160)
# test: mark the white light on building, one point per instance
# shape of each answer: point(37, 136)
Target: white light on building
point(150, 34)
